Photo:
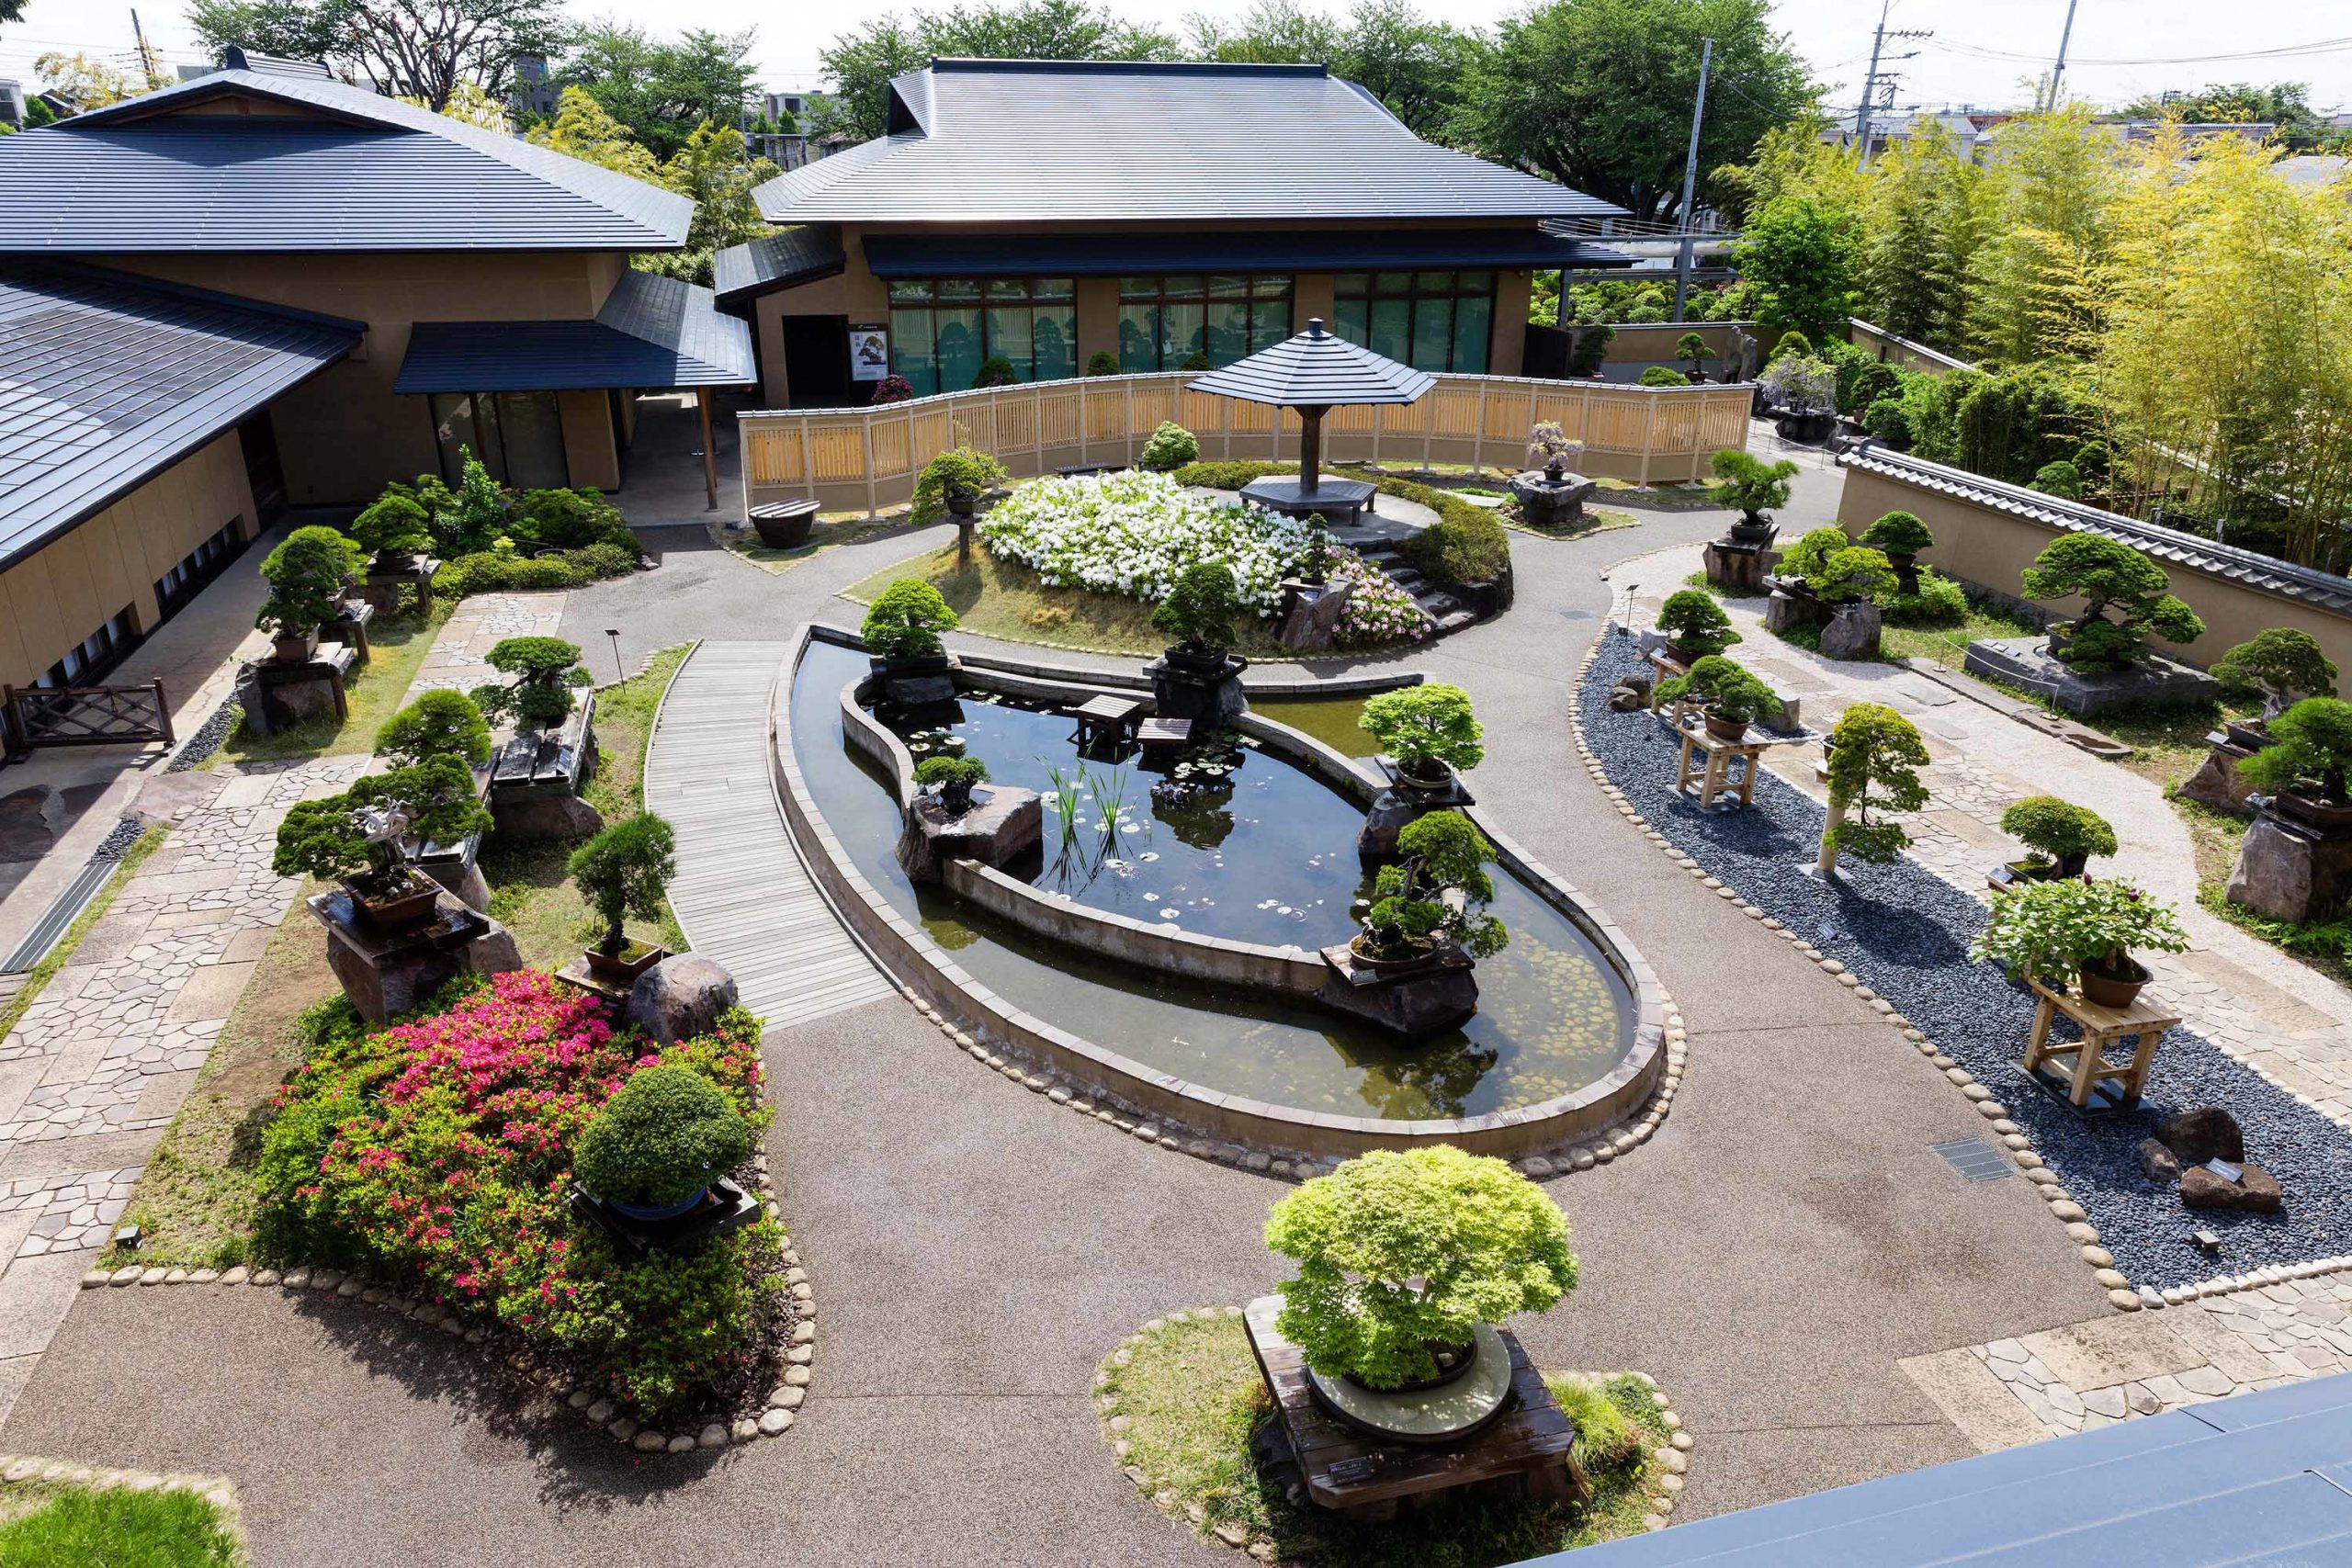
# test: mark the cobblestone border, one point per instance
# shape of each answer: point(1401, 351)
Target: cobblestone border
point(26, 1470)
point(2121, 1293)
point(772, 1421)
point(1673, 1461)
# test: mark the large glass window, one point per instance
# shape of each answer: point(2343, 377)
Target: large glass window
point(520, 440)
point(1163, 321)
point(943, 330)
point(1431, 321)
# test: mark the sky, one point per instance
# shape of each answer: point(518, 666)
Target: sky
point(2119, 49)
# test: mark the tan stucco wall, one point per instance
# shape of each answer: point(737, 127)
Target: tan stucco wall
point(347, 432)
point(1991, 550)
point(1507, 352)
point(75, 585)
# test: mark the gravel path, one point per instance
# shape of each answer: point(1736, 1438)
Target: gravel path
point(1906, 932)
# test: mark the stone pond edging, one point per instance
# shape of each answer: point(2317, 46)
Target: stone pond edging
point(1594, 1126)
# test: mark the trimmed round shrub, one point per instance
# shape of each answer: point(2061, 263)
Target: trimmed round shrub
point(395, 524)
point(438, 724)
point(570, 519)
point(1938, 601)
point(1889, 420)
point(906, 619)
point(666, 1133)
point(1898, 533)
point(1196, 361)
point(1664, 376)
point(1102, 362)
point(995, 371)
point(2061, 479)
point(1170, 448)
point(2058, 828)
point(893, 389)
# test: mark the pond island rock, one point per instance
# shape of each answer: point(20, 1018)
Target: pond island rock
point(1004, 821)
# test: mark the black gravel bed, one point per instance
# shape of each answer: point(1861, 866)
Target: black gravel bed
point(1904, 933)
point(206, 741)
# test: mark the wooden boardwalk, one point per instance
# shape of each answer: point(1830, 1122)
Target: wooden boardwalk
point(742, 894)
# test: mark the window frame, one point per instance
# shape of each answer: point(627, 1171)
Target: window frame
point(1257, 288)
point(1407, 288)
point(989, 295)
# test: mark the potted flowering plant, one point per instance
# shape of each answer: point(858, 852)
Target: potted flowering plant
point(1433, 899)
point(1732, 698)
point(1553, 449)
point(653, 1149)
point(2082, 928)
point(622, 872)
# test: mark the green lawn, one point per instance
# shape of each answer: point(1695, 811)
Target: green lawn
point(1189, 1397)
point(62, 954)
point(397, 650)
point(79, 1527)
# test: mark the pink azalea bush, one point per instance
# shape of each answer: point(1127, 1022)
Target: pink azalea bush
point(1378, 611)
point(440, 1151)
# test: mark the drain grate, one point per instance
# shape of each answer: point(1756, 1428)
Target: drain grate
point(1976, 1160)
point(58, 918)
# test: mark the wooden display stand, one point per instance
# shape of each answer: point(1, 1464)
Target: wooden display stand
point(1105, 719)
point(2085, 1085)
point(1713, 771)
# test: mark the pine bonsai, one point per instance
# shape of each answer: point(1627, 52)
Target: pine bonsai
point(622, 871)
point(2108, 573)
point(1435, 893)
point(1402, 1256)
point(1898, 533)
point(1694, 625)
point(953, 777)
point(545, 670)
point(438, 724)
point(1664, 376)
point(1730, 693)
point(905, 620)
point(2061, 834)
point(1875, 755)
point(1691, 349)
point(2283, 664)
point(1170, 448)
point(665, 1135)
point(1752, 484)
point(959, 469)
point(1853, 575)
point(330, 839)
point(394, 527)
point(306, 574)
point(1200, 610)
point(2309, 753)
point(1427, 728)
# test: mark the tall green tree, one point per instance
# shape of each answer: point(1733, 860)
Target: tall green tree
point(662, 90)
point(1596, 94)
point(1418, 66)
point(411, 48)
point(2287, 105)
point(1802, 258)
point(861, 64)
point(2054, 178)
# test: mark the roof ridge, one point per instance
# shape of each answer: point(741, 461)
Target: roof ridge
point(975, 64)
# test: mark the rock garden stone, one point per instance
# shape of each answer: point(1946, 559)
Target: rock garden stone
point(2027, 662)
point(1851, 632)
point(1003, 822)
point(2292, 871)
point(2159, 1162)
point(681, 998)
point(2202, 1132)
point(2256, 1192)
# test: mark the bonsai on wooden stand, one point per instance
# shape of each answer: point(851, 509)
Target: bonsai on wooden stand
point(622, 872)
point(306, 574)
point(2079, 928)
point(1731, 698)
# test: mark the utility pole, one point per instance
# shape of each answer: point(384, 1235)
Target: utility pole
point(1690, 180)
point(2058, 72)
point(1869, 83)
point(146, 55)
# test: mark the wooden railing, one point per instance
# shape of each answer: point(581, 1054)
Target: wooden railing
point(85, 715)
point(848, 458)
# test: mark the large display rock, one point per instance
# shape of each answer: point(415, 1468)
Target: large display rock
point(2027, 662)
point(2202, 1132)
point(918, 682)
point(680, 997)
point(2289, 870)
point(2256, 1190)
point(1851, 632)
point(550, 818)
point(1311, 623)
point(1003, 822)
point(1740, 567)
point(1401, 803)
point(1206, 691)
point(2217, 781)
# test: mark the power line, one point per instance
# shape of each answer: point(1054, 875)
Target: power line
point(2287, 51)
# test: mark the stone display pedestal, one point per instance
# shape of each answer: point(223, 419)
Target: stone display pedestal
point(386, 974)
point(2217, 781)
point(1400, 803)
point(2291, 869)
point(918, 682)
point(1003, 822)
point(1208, 692)
point(1851, 631)
point(278, 696)
point(1738, 567)
point(1414, 1004)
point(1545, 501)
point(1792, 606)
point(1312, 612)
point(2027, 662)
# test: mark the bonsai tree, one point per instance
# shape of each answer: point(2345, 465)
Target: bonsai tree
point(434, 802)
point(438, 724)
point(893, 389)
point(1875, 755)
point(1428, 728)
point(545, 670)
point(1435, 893)
point(1792, 343)
point(953, 777)
point(1664, 376)
point(1694, 625)
point(1200, 609)
point(2061, 834)
point(2060, 479)
point(1897, 534)
point(1196, 361)
point(664, 1135)
point(622, 871)
point(1732, 693)
point(1102, 362)
point(959, 470)
point(1851, 576)
point(2283, 664)
point(905, 620)
point(995, 371)
point(2309, 754)
point(1403, 1255)
point(1752, 484)
point(1170, 448)
point(306, 574)
point(1549, 447)
point(2108, 573)
point(1691, 349)
point(1802, 383)
point(394, 526)
point(1589, 343)
point(2055, 931)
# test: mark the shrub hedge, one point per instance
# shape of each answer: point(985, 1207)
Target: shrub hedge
point(1466, 544)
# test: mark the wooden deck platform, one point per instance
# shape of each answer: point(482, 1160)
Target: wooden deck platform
point(742, 894)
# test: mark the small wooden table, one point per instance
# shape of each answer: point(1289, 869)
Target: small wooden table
point(2085, 1085)
point(1105, 718)
point(1524, 1453)
point(1172, 733)
point(1713, 773)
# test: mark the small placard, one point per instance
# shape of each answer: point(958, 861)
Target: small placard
point(2224, 1169)
point(1351, 1470)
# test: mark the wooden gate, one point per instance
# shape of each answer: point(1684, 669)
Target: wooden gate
point(86, 716)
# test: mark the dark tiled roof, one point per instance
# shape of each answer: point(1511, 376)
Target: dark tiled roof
point(978, 141)
point(2265, 572)
point(777, 261)
point(1316, 369)
point(653, 332)
point(341, 169)
point(1095, 254)
point(106, 381)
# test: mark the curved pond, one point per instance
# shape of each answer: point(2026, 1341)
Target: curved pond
point(1240, 844)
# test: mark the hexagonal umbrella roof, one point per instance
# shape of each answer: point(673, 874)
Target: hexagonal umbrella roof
point(1317, 370)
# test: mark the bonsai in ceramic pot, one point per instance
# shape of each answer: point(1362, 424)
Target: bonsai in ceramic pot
point(1756, 488)
point(1404, 1261)
point(545, 671)
point(1432, 899)
point(1551, 449)
point(1731, 698)
point(1694, 625)
point(1429, 730)
point(1691, 349)
point(395, 529)
point(623, 872)
point(306, 574)
point(1199, 611)
point(2062, 836)
point(653, 1150)
point(1900, 536)
point(2303, 769)
point(902, 628)
point(2282, 663)
point(2079, 928)
point(358, 838)
point(951, 485)
point(953, 778)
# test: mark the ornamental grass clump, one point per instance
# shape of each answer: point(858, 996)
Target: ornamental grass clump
point(1694, 625)
point(2055, 931)
point(545, 670)
point(2109, 574)
point(2282, 663)
point(662, 1139)
point(2309, 753)
point(905, 620)
point(438, 1154)
point(1401, 1255)
point(2062, 835)
point(1875, 755)
point(1428, 728)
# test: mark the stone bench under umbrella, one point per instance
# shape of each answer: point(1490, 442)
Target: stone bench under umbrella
point(1314, 372)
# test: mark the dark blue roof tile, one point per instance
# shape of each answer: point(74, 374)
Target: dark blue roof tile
point(655, 333)
point(777, 261)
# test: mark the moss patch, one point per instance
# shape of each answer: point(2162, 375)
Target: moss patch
point(1181, 1400)
point(397, 649)
point(62, 954)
